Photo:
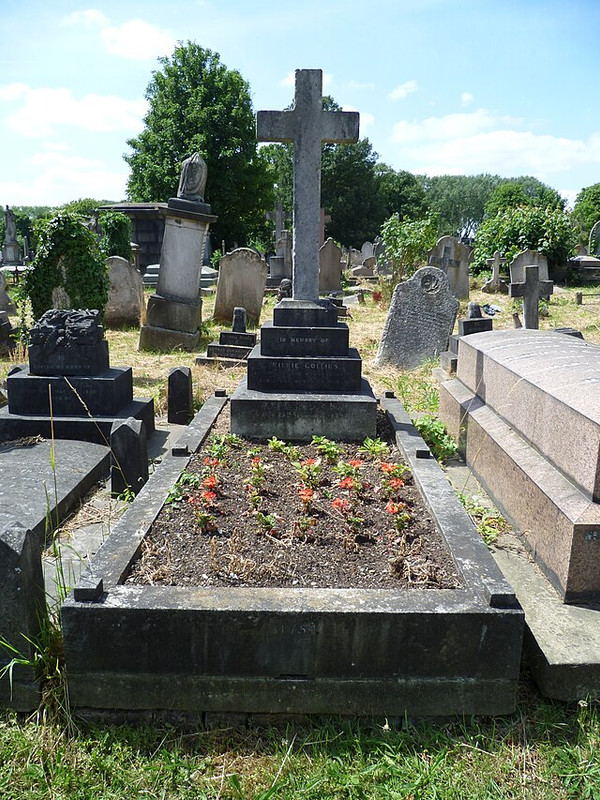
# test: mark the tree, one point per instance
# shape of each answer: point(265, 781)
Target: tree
point(523, 191)
point(407, 242)
point(401, 192)
point(586, 211)
point(459, 200)
point(117, 232)
point(548, 230)
point(197, 104)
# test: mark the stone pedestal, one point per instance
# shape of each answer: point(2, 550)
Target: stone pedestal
point(11, 254)
point(174, 313)
point(303, 380)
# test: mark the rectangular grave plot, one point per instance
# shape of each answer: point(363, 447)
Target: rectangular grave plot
point(269, 650)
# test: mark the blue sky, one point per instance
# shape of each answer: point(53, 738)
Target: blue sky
point(442, 86)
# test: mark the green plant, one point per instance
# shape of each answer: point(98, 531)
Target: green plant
point(178, 491)
point(265, 521)
point(68, 257)
point(489, 522)
point(117, 232)
point(374, 448)
point(441, 444)
point(406, 244)
point(309, 471)
point(325, 447)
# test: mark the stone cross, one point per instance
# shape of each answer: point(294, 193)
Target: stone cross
point(307, 126)
point(495, 264)
point(279, 217)
point(531, 291)
point(445, 261)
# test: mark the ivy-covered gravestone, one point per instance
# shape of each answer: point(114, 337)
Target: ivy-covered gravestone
point(69, 269)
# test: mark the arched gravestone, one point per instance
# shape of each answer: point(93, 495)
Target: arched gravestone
point(420, 320)
point(453, 258)
point(242, 276)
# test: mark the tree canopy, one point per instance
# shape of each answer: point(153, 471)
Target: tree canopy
point(198, 104)
point(522, 191)
point(586, 211)
point(459, 200)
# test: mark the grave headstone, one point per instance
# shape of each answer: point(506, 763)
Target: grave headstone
point(233, 345)
point(125, 304)
point(420, 320)
point(524, 259)
point(180, 396)
point(495, 284)
point(280, 217)
point(330, 270)
point(7, 341)
point(174, 312)
point(129, 456)
point(241, 282)
point(453, 258)
point(531, 289)
point(11, 251)
point(367, 250)
point(366, 269)
point(303, 379)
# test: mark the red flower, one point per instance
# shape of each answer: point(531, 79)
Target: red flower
point(256, 461)
point(208, 497)
point(340, 505)
point(396, 483)
point(387, 467)
point(210, 483)
point(347, 483)
point(394, 508)
point(377, 297)
point(210, 462)
point(355, 462)
point(308, 463)
point(306, 494)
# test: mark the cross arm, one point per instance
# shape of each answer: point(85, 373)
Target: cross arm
point(340, 126)
point(275, 126)
point(517, 289)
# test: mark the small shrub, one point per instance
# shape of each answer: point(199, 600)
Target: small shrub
point(441, 444)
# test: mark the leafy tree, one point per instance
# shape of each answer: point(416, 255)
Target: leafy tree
point(25, 217)
point(548, 230)
point(197, 104)
point(85, 206)
point(407, 243)
point(586, 211)
point(68, 256)
point(401, 192)
point(523, 191)
point(117, 232)
point(459, 200)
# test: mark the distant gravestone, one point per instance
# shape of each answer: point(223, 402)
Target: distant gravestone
point(420, 320)
point(180, 396)
point(495, 284)
point(126, 293)
point(355, 256)
point(594, 241)
point(367, 250)
point(531, 289)
point(330, 268)
point(453, 257)
point(242, 276)
point(524, 259)
point(366, 269)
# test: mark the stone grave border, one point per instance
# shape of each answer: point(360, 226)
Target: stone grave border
point(216, 651)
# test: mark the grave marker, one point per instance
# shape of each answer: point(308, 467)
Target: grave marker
point(531, 290)
point(452, 257)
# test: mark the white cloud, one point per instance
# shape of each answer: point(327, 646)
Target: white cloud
point(483, 142)
point(359, 85)
point(137, 40)
point(466, 98)
point(43, 111)
point(88, 18)
point(402, 91)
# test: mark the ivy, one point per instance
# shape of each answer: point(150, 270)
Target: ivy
point(116, 234)
point(68, 256)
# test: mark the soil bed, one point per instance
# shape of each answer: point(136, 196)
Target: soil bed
point(250, 513)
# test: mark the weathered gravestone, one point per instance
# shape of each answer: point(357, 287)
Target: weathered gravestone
point(174, 313)
point(495, 284)
point(367, 250)
point(233, 345)
point(180, 396)
point(420, 320)
point(453, 258)
point(68, 389)
point(366, 269)
point(531, 288)
point(125, 304)
point(11, 252)
point(524, 259)
point(241, 283)
point(303, 380)
point(330, 267)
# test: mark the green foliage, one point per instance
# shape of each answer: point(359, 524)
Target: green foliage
point(407, 242)
point(459, 200)
point(85, 206)
point(489, 522)
point(325, 447)
point(548, 230)
point(441, 444)
point(68, 256)
point(523, 191)
point(586, 211)
point(374, 448)
point(117, 232)
point(197, 104)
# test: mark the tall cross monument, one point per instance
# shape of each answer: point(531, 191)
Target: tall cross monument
point(307, 126)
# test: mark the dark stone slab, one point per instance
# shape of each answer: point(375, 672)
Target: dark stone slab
point(237, 339)
point(174, 313)
point(85, 429)
point(338, 374)
point(153, 337)
point(304, 314)
point(129, 456)
point(298, 416)
point(68, 342)
point(190, 208)
point(215, 350)
point(569, 332)
point(76, 395)
point(180, 396)
point(82, 360)
point(474, 325)
point(294, 341)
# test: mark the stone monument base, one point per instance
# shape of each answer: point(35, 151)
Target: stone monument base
point(164, 339)
point(298, 416)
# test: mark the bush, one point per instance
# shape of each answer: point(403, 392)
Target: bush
point(116, 236)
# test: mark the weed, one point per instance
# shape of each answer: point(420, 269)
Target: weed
point(489, 522)
point(374, 448)
point(178, 491)
point(326, 448)
point(441, 444)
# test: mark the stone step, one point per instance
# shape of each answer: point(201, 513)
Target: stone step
point(559, 523)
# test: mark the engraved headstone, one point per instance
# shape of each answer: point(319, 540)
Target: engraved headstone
point(367, 250)
point(420, 320)
point(495, 284)
point(453, 258)
point(242, 276)
point(330, 269)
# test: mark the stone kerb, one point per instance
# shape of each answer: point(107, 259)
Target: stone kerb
point(296, 651)
point(241, 282)
point(420, 320)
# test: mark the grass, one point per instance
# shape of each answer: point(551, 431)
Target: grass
point(545, 750)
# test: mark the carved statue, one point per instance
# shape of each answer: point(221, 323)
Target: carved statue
point(10, 226)
point(192, 182)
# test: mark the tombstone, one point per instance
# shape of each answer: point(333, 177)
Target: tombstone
point(125, 295)
point(453, 258)
point(594, 240)
point(303, 353)
point(68, 389)
point(330, 272)
point(174, 312)
point(355, 257)
point(5, 302)
point(128, 456)
point(524, 259)
point(420, 320)
point(280, 218)
point(233, 346)
point(366, 269)
point(180, 396)
point(495, 284)
point(384, 264)
point(531, 289)
point(241, 282)
point(280, 266)
point(11, 252)
point(367, 250)
point(7, 341)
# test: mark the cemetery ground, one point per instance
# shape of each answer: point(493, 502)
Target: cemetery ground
point(544, 750)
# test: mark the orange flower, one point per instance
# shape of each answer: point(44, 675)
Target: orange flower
point(210, 483)
point(308, 463)
point(394, 508)
point(340, 505)
point(355, 462)
point(208, 497)
point(396, 483)
point(210, 462)
point(256, 461)
point(306, 494)
point(387, 467)
point(347, 483)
